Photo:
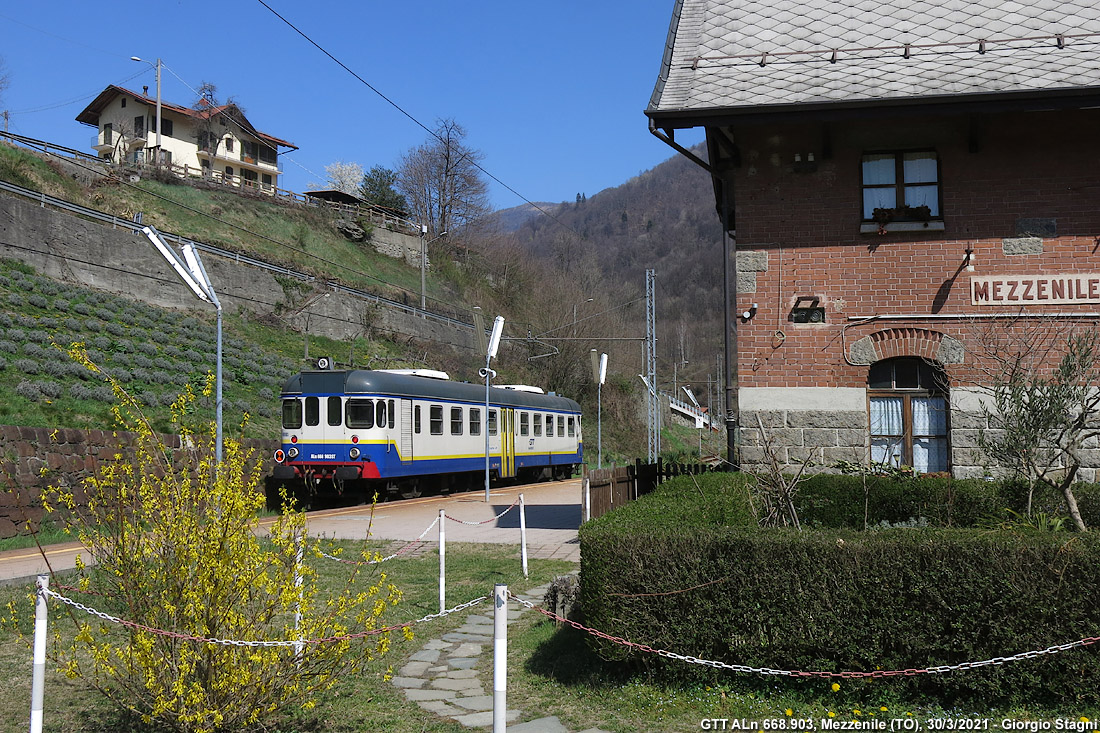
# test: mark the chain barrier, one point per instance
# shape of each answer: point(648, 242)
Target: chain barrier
point(406, 548)
point(236, 642)
point(876, 674)
point(474, 524)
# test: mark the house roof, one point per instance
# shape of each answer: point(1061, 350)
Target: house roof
point(90, 114)
point(746, 56)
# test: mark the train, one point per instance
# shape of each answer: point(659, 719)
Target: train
point(404, 432)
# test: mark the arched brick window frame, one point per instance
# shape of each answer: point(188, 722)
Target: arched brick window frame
point(891, 343)
point(907, 395)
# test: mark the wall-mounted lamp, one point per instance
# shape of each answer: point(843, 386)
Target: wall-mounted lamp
point(804, 163)
point(750, 312)
point(969, 261)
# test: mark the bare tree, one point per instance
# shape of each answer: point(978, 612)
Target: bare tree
point(1042, 404)
point(5, 80)
point(442, 181)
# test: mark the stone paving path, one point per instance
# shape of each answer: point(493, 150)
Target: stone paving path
point(442, 679)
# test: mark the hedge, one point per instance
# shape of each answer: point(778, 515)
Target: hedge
point(660, 572)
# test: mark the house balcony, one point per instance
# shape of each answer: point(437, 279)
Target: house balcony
point(238, 160)
point(103, 142)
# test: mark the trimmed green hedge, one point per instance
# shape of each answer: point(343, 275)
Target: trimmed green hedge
point(685, 569)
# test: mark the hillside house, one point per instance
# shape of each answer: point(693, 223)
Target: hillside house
point(910, 190)
point(217, 141)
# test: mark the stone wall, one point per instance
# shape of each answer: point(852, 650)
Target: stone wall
point(117, 260)
point(33, 459)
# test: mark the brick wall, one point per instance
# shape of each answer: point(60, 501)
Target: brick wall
point(70, 456)
point(1019, 190)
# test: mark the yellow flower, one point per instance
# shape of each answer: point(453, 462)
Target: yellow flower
point(832, 714)
point(836, 686)
point(1083, 719)
point(789, 712)
point(883, 708)
point(857, 712)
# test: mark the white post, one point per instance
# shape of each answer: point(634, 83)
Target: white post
point(299, 540)
point(523, 535)
point(38, 679)
point(587, 499)
point(442, 562)
point(500, 658)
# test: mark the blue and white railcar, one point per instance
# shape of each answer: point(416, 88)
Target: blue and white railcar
point(399, 432)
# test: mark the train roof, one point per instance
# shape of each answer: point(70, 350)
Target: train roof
point(363, 381)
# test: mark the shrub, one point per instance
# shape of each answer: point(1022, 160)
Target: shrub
point(82, 308)
point(29, 390)
point(27, 366)
point(686, 569)
point(17, 301)
point(39, 301)
point(9, 347)
point(115, 329)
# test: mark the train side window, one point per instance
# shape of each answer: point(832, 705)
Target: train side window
point(335, 411)
point(524, 420)
point(475, 421)
point(292, 414)
point(537, 427)
point(435, 418)
point(456, 421)
point(392, 412)
point(380, 413)
point(416, 419)
point(561, 425)
point(572, 428)
point(360, 414)
point(549, 426)
point(313, 411)
point(492, 422)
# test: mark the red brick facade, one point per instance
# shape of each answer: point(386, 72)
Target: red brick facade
point(1019, 195)
point(1026, 166)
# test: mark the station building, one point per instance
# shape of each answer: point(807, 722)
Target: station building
point(911, 193)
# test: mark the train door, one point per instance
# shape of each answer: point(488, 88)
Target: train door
point(405, 444)
point(508, 443)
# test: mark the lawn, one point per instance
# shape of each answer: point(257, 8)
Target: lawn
point(551, 671)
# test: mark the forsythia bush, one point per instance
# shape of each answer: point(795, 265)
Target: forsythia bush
point(177, 546)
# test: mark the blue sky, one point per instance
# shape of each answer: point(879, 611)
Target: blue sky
point(552, 93)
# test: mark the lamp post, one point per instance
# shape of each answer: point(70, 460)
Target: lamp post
point(193, 274)
point(423, 263)
point(156, 66)
point(587, 300)
point(494, 344)
point(599, 371)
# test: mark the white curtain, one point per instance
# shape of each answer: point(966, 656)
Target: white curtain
point(923, 196)
point(929, 434)
point(920, 168)
point(878, 170)
point(886, 430)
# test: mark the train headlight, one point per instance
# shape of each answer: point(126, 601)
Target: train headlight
point(292, 453)
point(280, 456)
point(293, 438)
point(355, 439)
point(354, 453)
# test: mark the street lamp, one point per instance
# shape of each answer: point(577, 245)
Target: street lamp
point(424, 261)
point(156, 66)
point(599, 372)
point(587, 300)
point(494, 344)
point(194, 276)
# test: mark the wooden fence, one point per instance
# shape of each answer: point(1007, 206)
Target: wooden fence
point(604, 489)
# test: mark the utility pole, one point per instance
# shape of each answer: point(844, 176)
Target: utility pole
point(654, 403)
point(729, 305)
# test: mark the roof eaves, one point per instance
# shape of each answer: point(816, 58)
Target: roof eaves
point(1030, 100)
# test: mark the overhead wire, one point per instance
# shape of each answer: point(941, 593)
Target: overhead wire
point(409, 115)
